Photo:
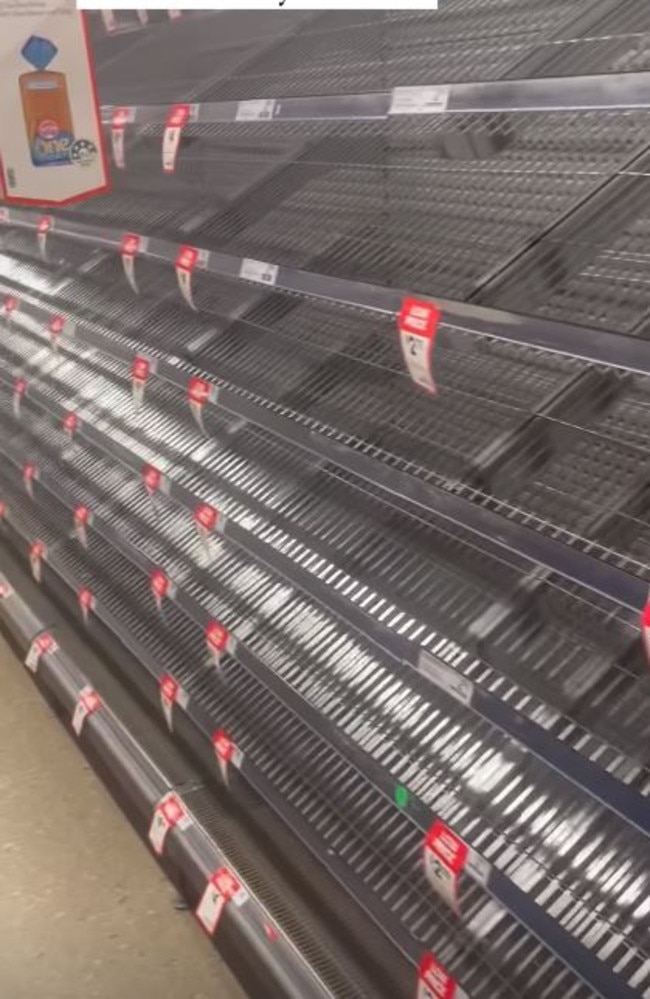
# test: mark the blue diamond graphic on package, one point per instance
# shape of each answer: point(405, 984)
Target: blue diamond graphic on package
point(39, 51)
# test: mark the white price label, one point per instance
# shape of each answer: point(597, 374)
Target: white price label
point(210, 908)
point(258, 270)
point(419, 100)
point(479, 868)
point(443, 881)
point(261, 110)
point(457, 686)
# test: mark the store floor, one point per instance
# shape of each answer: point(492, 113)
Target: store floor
point(85, 913)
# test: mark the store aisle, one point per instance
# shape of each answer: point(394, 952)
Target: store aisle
point(77, 887)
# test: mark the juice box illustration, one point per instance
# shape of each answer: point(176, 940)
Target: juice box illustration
point(46, 106)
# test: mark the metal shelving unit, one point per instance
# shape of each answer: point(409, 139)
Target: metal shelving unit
point(432, 602)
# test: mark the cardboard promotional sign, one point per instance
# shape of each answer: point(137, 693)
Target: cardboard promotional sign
point(418, 324)
point(51, 141)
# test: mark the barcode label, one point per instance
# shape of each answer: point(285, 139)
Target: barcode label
point(255, 110)
point(457, 686)
point(478, 867)
point(257, 270)
point(419, 100)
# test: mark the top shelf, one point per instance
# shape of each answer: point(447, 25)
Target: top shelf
point(609, 91)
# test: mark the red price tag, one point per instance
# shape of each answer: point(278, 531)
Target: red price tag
point(30, 472)
point(222, 888)
point(168, 814)
point(154, 480)
point(226, 752)
point(162, 588)
point(70, 424)
point(130, 247)
point(120, 118)
point(435, 983)
point(42, 645)
point(20, 388)
point(86, 602)
point(206, 517)
point(177, 118)
point(88, 703)
point(445, 857)
point(199, 392)
point(418, 325)
point(82, 518)
point(57, 325)
point(218, 640)
point(140, 371)
point(44, 226)
point(187, 261)
point(37, 554)
point(171, 693)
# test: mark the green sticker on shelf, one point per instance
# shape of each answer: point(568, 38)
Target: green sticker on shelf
point(401, 796)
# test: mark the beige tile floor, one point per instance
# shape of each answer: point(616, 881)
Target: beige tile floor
point(84, 911)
